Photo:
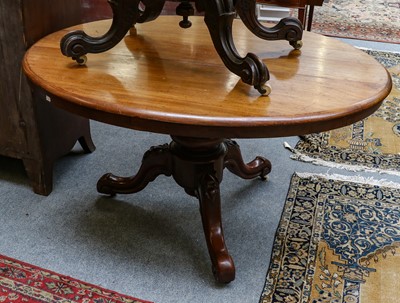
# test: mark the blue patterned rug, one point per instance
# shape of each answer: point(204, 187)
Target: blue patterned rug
point(338, 241)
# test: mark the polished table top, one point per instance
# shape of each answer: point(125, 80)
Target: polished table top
point(171, 80)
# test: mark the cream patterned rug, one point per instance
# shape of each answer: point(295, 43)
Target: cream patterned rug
point(359, 19)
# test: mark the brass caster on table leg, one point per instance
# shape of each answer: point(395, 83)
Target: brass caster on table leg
point(264, 89)
point(296, 44)
point(80, 60)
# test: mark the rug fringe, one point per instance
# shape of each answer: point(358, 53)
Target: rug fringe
point(354, 179)
point(355, 168)
point(365, 49)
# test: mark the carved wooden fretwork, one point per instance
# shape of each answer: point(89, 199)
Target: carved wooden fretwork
point(218, 16)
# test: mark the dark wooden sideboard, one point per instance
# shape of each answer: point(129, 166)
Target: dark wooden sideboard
point(100, 9)
point(31, 129)
point(305, 8)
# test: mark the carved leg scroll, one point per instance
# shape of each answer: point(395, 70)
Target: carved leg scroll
point(234, 162)
point(125, 14)
point(219, 16)
point(290, 29)
point(155, 162)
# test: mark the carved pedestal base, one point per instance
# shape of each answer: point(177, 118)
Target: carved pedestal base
point(197, 165)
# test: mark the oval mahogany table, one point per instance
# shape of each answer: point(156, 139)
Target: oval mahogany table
point(170, 80)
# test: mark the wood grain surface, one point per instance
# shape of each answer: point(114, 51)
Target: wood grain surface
point(171, 80)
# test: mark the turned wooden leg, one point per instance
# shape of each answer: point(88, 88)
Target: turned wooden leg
point(155, 162)
point(210, 208)
point(310, 17)
point(302, 12)
point(234, 162)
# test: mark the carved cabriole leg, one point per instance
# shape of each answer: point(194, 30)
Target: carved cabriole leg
point(198, 168)
point(259, 167)
point(219, 16)
point(290, 29)
point(210, 208)
point(77, 43)
point(155, 162)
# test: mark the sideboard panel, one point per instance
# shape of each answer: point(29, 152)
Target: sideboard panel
point(11, 91)
point(25, 133)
